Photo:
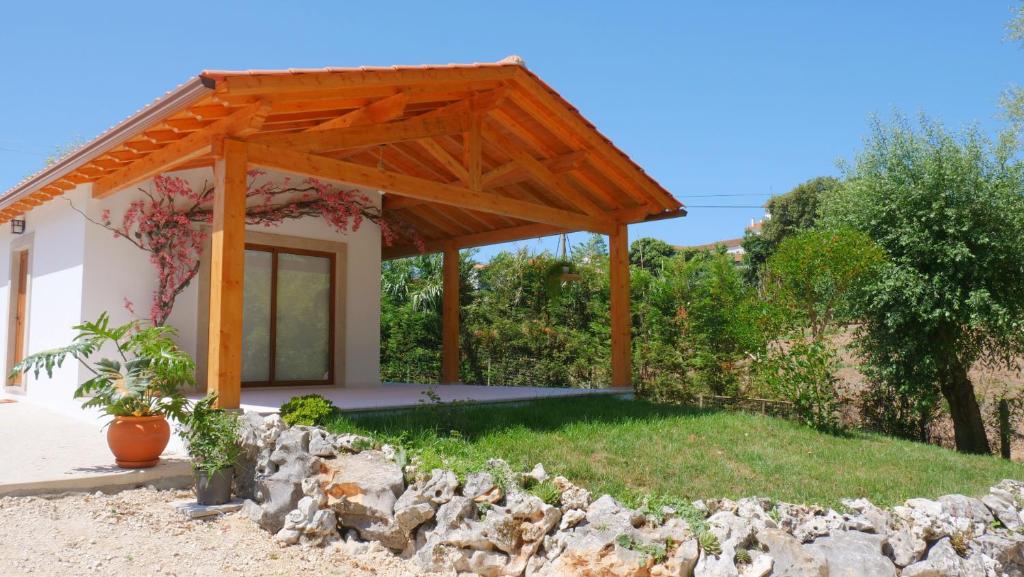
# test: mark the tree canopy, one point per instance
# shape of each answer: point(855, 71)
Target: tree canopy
point(948, 209)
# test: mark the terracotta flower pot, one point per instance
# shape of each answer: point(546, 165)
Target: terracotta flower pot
point(138, 441)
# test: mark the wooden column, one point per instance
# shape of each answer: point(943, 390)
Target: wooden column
point(622, 323)
point(450, 316)
point(227, 269)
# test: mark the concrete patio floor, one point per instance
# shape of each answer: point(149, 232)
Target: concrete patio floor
point(404, 395)
point(44, 452)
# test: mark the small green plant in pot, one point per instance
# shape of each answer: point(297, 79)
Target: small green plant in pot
point(211, 437)
point(138, 385)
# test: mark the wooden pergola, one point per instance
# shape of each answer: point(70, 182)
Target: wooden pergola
point(469, 155)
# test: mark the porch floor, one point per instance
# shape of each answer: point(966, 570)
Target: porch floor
point(404, 395)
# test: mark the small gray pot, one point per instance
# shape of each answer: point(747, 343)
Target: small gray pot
point(214, 489)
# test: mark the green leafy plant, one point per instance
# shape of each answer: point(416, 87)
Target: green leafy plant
point(742, 557)
point(709, 543)
point(547, 492)
point(805, 375)
point(143, 379)
point(210, 435)
point(309, 410)
point(654, 551)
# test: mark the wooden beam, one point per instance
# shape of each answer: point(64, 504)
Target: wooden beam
point(509, 234)
point(513, 172)
point(383, 110)
point(450, 315)
point(473, 150)
point(192, 146)
point(621, 317)
point(278, 84)
point(570, 127)
point(541, 173)
point(447, 160)
point(227, 270)
point(354, 136)
point(421, 188)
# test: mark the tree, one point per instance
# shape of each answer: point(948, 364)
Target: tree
point(792, 212)
point(814, 273)
point(948, 209)
point(650, 253)
point(1013, 98)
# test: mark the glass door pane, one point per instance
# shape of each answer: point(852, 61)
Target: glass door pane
point(256, 316)
point(303, 327)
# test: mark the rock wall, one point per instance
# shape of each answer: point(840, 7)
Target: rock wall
point(313, 488)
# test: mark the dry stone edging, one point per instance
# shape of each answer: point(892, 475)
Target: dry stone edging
point(310, 488)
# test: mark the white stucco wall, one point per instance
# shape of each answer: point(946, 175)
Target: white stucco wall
point(54, 235)
point(79, 270)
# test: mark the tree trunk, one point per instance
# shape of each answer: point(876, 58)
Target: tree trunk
point(968, 426)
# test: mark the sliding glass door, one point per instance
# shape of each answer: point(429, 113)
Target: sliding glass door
point(288, 323)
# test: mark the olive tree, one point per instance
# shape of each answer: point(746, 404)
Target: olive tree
point(949, 212)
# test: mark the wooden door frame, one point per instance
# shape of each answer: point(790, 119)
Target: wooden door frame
point(17, 332)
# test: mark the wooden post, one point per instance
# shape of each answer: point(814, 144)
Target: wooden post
point(227, 269)
point(450, 315)
point(622, 323)
point(1004, 428)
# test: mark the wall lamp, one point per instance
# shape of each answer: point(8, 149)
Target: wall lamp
point(18, 225)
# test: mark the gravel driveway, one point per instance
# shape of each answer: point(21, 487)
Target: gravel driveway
point(137, 533)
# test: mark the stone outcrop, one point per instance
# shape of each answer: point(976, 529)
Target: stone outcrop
point(312, 488)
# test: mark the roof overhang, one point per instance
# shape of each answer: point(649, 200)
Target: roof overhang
point(466, 154)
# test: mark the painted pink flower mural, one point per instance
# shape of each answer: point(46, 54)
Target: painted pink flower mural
point(166, 223)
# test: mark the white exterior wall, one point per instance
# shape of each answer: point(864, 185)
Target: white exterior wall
point(79, 270)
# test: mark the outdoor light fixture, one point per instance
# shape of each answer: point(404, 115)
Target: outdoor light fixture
point(18, 225)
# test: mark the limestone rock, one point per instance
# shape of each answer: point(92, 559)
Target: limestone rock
point(879, 518)
point(363, 484)
point(478, 484)
point(680, 562)
point(791, 558)
point(1007, 551)
point(761, 567)
point(943, 561)
point(436, 491)
point(905, 548)
point(852, 554)
point(1002, 504)
point(573, 497)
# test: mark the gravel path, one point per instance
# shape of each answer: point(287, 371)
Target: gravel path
point(137, 533)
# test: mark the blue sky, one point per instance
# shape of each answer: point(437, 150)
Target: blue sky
point(711, 98)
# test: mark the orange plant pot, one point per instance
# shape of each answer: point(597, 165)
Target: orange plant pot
point(138, 441)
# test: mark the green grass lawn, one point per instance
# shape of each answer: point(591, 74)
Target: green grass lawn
point(633, 449)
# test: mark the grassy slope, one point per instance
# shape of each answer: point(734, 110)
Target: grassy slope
point(633, 448)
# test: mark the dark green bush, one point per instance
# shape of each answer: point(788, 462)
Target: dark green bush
point(310, 410)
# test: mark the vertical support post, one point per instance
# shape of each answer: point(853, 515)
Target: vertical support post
point(227, 269)
point(450, 315)
point(1004, 428)
point(622, 323)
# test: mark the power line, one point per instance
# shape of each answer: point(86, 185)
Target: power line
point(724, 206)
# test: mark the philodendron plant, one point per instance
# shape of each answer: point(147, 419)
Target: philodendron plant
point(144, 379)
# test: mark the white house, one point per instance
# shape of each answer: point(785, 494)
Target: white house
point(464, 155)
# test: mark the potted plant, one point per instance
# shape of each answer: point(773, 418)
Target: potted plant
point(139, 387)
point(211, 437)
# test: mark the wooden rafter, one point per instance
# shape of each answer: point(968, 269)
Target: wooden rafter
point(383, 110)
point(405, 185)
point(510, 234)
point(361, 80)
point(196, 144)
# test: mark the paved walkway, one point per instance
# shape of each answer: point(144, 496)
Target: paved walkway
point(43, 452)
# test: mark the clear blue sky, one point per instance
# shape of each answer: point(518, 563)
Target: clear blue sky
point(722, 98)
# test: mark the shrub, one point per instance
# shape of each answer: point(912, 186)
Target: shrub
point(805, 375)
point(211, 436)
point(309, 410)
